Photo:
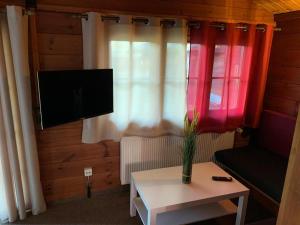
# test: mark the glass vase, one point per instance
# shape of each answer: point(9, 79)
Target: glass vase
point(187, 171)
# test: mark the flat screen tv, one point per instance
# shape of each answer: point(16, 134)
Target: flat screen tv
point(71, 95)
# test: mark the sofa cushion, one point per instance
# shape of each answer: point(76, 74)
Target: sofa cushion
point(263, 169)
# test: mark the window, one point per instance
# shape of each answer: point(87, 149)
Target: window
point(149, 64)
point(218, 78)
point(222, 87)
point(219, 71)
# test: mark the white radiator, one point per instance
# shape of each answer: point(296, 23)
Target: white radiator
point(141, 153)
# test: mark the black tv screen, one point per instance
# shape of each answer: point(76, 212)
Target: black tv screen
point(71, 95)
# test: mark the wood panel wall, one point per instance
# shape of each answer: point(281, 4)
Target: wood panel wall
point(62, 155)
point(283, 86)
point(58, 45)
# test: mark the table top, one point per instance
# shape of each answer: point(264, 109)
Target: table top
point(163, 188)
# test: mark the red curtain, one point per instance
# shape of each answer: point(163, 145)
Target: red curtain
point(222, 64)
point(258, 76)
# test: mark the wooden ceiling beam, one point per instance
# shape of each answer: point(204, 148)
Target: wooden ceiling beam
point(214, 10)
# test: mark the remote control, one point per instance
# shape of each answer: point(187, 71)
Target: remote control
point(226, 179)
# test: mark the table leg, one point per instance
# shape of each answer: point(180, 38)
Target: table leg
point(241, 211)
point(133, 195)
point(151, 219)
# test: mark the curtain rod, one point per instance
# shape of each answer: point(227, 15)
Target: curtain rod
point(222, 26)
point(140, 20)
point(112, 18)
point(143, 20)
point(170, 22)
point(164, 22)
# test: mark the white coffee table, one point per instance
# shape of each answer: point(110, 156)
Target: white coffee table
point(164, 200)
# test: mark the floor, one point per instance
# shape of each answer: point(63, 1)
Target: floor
point(112, 208)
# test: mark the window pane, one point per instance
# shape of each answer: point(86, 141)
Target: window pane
point(119, 52)
point(237, 60)
point(234, 92)
point(174, 96)
point(219, 61)
point(216, 94)
point(175, 84)
point(145, 61)
point(119, 60)
point(175, 69)
point(194, 60)
point(145, 105)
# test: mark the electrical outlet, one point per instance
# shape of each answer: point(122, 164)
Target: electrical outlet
point(88, 171)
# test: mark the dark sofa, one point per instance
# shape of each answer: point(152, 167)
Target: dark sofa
point(263, 163)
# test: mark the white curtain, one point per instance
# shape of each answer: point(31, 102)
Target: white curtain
point(20, 186)
point(149, 67)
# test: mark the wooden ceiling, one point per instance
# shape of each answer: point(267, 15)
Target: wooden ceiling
point(215, 10)
point(249, 11)
point(279, 6)
point(272, 6)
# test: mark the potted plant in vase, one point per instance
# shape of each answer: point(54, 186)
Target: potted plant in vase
point(189, 146)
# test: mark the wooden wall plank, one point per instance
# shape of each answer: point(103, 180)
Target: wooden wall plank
point(58, 23)
point(60, 44)
point(283, 86)
point(73, 168)
point(77, 153)
point(284, 74)
point(69, 187)
point(60, 62)
point(282, 105)
point(283, 17)
point(62, 135)
point(287, 41)
point(285, 57)
point(284, 90)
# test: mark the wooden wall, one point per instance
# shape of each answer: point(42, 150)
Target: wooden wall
point(283, 86)
point(57, 44)
point(62, 155)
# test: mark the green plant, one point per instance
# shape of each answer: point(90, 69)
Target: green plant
point(189, 145)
